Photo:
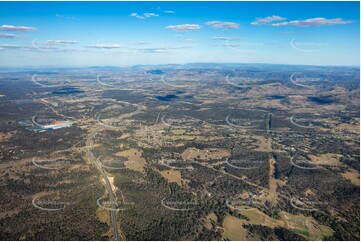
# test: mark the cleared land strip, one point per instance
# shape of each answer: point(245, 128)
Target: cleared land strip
point(97, 165)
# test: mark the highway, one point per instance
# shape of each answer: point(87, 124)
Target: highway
point(101, 171)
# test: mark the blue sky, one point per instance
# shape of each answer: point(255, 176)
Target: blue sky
point(128, 33)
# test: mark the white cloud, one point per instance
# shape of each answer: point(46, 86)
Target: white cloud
point(144, 15)
point(184, 27)
point(137, 16)
point(10, 46)
point(16, 47)
point(61, 42)
point(313, 22)
point(63, 16)
point(169, 11)
point(222, 25)
point(161, 49)
point(105, 46)
point(267, 20)
point(226, 38)
point(17, 28)
point(149, 15)
point(232, 45)
point(153, 50)
point(9, 36)
point(141, 43)
point(53, 46)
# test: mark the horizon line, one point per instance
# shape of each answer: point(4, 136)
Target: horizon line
point(187, 63)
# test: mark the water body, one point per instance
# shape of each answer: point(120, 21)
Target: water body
point(276, 97)
point(155, 72)
point(170, 97)
point(67, 90)
point(321, 100)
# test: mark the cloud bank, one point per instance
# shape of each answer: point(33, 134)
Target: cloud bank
point(17, 28)
point(222, 25)
point(266, 20)
point(184, 27)
point(313, 22)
